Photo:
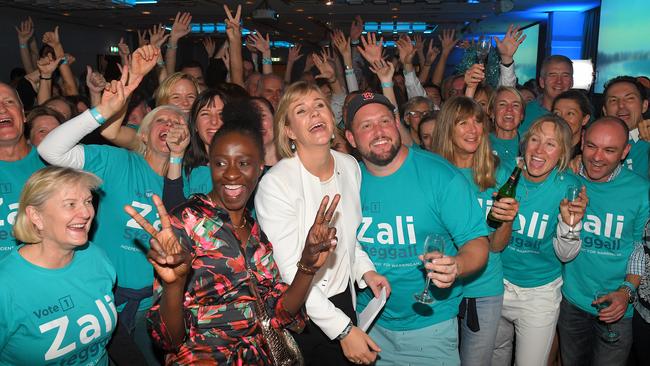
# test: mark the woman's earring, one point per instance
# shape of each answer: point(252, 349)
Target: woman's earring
point(293, 146)
point(333, 137)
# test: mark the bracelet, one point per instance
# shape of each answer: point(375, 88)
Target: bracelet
point(355, 42)
point(44, 78)
point(97, 116)
point(131, 125)
point(345, 331)
point(267, 61)
point(64, 60)
point(304, 269)
point(629, 285)
point(508, 64)
point(22, 45)
point(160, 62)
point(175, 160)
point(172, 46)
point(388, 84)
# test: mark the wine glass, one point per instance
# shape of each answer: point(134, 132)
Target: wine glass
point(610, 335)
point(432, 243)
point(572, 193)
point(483, 49)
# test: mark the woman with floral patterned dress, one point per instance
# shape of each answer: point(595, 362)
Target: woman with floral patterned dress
point(204, 310)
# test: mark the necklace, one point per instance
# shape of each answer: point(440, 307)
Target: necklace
point(240, 226)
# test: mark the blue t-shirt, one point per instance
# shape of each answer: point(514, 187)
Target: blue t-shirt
point(489, 280)
point(62, 316)
point(534, 110)
point(614, 221)
point(529, 260)
point(506, 150)
point(425, 195)
point(199, 181)
point(13, 175)
point(127, 180)
point(637, 159)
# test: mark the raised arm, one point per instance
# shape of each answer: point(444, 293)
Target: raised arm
point(425, 67)
point(448, 40)
point(46, 66)
point(53, 40)
point(507, 48)
point(157, 38)
point(473, 77)
point(263, 45)
point(326, 71)
point(293, 56)
point(180, 29)
point(95, 82)
point(25, 33)
point(342, 44)
point(233, 32)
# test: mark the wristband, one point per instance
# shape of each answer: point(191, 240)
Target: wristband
point(131, 125)
point(44, 78)
point(160, 63)
point(387, 84)
point(508, 64)
point(304, 269)
point(355, 42)
point(630, 290)
point(267, 61)
point(97, 116)
point(171, 46)
point(175, 160)
point(22, 45)
point(345, 331)
point(64, 60)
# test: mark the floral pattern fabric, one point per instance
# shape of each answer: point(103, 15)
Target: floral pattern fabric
point(219, 309)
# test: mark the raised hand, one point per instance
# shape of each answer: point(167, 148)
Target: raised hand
point(143, 61)
point(432, 54)
point(181, 26)
point(113, 98)
point(94, 80)
point(448, 40)
point(384, 70)
point(157, 36)
point(233, 29)
point(169, 258)
point(321, 239)
point(294, 54)
point(260, 43)
point(178, 138)
point(52, 38)
point(510, 43)
point(370, 49)
point(419, 47)
point(341, 43)
point(356, 28)
point(572, 212)
point(324, 67)
point(406, 50)
point(142, 40)
point(123, 48)
point(47, 65)
point(474, 75)
point(25, 30)
point(644, 130)
point(225, 57)
point(209, 45)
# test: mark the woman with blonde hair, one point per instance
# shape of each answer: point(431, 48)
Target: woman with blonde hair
point(462, 138)
point(549, 234)
point(57, 283)
point(507, 107)
point(285, 202)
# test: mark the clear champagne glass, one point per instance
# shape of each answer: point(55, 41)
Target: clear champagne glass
point(610, 335)
point(483, 49)
point(432, 243)
point(572, 193)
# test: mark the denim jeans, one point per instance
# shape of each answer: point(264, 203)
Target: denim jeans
point(476, 347)
point(581, 342)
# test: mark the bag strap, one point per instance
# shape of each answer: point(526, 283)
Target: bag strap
point(261, 309)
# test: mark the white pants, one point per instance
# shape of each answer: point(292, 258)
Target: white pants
point(532, 313)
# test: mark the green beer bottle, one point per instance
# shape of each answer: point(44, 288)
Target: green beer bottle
point(507, 190)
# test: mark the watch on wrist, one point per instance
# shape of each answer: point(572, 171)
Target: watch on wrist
point(345, 331)
point(629, 289)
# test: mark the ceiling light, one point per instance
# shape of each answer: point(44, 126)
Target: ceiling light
point(329, 2)
point(146, 12)
point(300, 10)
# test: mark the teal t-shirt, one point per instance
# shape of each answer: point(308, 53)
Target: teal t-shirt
point(62, 316)
point(425, 195)
point(199, 181)
point(488, 281)
point(529, 260)
point(506, 150)
point(534, 110)
point(127, 180)
point(13, 175)
point(614, 221)
point(637, 159)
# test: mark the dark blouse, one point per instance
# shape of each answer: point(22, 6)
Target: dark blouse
point(220, 322)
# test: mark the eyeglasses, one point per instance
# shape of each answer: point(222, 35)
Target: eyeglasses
point(416, 113)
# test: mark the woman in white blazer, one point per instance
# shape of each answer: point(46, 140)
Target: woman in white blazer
point(287, 198)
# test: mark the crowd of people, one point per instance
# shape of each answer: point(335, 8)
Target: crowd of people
point(160, 214)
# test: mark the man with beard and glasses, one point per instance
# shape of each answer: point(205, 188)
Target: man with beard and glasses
point(406, 195)
point(613, 225)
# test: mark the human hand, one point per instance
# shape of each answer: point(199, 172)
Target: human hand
point(384, 70)
point(157, 36)
point(406, 50)
point(644, 130)
point(341, 43)
point(356, 28)
point(123, 48)
point(432, 54)
point(505, 209)
point(52, 38)
point(359, 348)
point(321, 239)
point(142, 40)
point(95, 80)
point(376, 282)
point(572, 212)
point(442, 269)
point(510, 43)
point(225, 57)
point(114, 97)
point(144, 60)
point(263, 45)
point(370, 49)
point(618, 302)
point(294, 54)
point(25, 30)
point(474, 75)
point(233, 29)
point(324, 67)
point(47, 65)
point(448, 40)
point(178, 138)
point(181, 26)
point(576, 164)
point(209, 45)
point(169, 258)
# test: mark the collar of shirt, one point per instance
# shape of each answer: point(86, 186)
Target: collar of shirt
point(634, 135)
point(614, 174)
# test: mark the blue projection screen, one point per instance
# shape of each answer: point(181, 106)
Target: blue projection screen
point(526, 56)
point(623, 47)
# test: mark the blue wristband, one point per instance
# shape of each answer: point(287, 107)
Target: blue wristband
point(22, 45)
point(629, 285)
point(97, 116)
point(387, 84)
point(64, 60)
point(267, 61)
point(175, 160)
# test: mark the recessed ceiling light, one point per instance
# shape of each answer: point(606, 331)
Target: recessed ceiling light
point(310, 17)
point(129, 30)
point(301, 28)
point(146, 12)
point(66, 14)
point(394, 9)
point(300, 10)
point(395, 17)
point(329, 2)
point(289, 23)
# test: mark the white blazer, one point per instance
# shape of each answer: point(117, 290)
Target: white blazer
point(287, 200)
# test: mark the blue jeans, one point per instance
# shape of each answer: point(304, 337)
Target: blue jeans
point(476, 347)
point(435, 345)
point(581, 342)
